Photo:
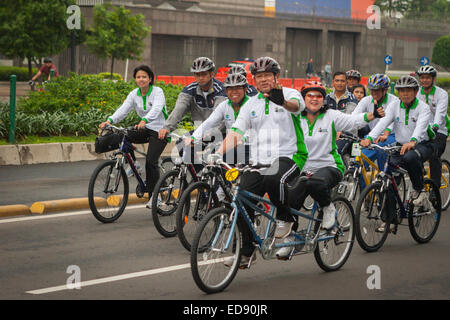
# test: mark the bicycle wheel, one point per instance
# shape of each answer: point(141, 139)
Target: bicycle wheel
point(210, 248)
point(349, 188)
point(424, 221)
point(194, 204)
point(444, 187)
point(108, 192)
point(332, 254)
point(369, 218)
point(165, 198)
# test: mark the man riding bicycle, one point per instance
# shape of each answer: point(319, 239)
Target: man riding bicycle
point(271, 121)
point(437, 100)
point(410, 118)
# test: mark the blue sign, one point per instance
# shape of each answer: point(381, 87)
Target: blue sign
point(424, 61)
point(388, 59)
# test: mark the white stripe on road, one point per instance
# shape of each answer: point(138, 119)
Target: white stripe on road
point(59, 215)
point(121, 277)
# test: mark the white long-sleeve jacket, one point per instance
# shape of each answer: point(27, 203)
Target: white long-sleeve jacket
point(437, 100)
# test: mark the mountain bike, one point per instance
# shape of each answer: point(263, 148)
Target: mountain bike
point(108, 189)
point(218, 236)
point(381, 205)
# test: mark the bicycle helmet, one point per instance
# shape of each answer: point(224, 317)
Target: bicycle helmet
point(202, 64)
point(265, 64)
point(237, 69)
point(427, 70)
point(313, 85)
point(353, 74)
point(48, 59)
point(234, 80)
point(406, 82)
point(378, 81)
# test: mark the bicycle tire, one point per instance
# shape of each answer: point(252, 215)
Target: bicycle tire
point(367, 224)
point(106, 206)
point(352, 188)
point(332, 254)
point(207, 262)
point(429, 221)
point(445, 192)
point(189, 215)
point(168, 190)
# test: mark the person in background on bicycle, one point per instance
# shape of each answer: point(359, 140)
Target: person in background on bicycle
point(150, 104)
point(437, 100)
point(358, 91)
point(342, 100)
point(45, 70)
point(271, 121)
point(353, 78)
point(251, 90)
point(377, 102)
point(200, 98)
point(411, 124)
point(320, 126)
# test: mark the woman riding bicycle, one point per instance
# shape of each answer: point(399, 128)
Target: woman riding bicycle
point(320, 126)
point(150, 104)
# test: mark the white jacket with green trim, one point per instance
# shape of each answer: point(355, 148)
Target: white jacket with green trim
point(437, 100)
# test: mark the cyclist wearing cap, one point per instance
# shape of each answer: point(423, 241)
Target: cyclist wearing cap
point(45, 69)
point(353, 78)
point(320, 126)
point(410, 118)
point(377, 102)
point(251, 90)
point(437, 100)
point(227, 111)
point(276, 139)
point(150, 104)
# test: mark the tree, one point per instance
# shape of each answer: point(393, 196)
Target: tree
point(392, 7)
point(117, 34)
point(441, 52)
point(416, 9)
point(33, 29)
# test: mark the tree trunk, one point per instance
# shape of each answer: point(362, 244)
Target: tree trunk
point(30, 71)
point(112, 67)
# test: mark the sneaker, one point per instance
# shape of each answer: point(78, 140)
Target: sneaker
point(149, 203)
point(329, 213)
point(246, 262)
point(284, 252)
point(283, 229)
point(418, 201)
point(130, 172)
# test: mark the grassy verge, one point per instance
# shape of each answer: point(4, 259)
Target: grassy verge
point(51, 139)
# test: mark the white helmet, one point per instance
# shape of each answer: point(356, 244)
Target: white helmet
point(234, 80)
point(406, 82)
point(202, 64)
point(427, 70)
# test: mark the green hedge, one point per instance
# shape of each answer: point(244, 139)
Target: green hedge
point(20, 72)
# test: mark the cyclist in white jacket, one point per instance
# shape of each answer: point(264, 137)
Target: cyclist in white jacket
point(150, 104)
point(437, 100)
point(411, 124)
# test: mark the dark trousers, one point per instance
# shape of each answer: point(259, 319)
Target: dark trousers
point(320, 190)
point(413, 161)
point(155, 148)
point(283, 171)
point(439, 142)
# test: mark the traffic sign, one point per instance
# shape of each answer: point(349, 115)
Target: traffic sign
point(424, 61)
point(387, 59)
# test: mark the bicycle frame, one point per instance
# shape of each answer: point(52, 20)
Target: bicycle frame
point(360, 160)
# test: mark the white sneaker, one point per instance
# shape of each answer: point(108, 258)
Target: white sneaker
point(421, 200)
point(329, 213)
point(149, 203)
point(283, 229)
point(246, 262)
point(130, 172)
point(284, 252)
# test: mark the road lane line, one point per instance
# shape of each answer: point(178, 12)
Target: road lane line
point(121, 277)
point(60, 215)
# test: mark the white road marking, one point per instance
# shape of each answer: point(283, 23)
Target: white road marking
point(60, 215)
point(121, 277)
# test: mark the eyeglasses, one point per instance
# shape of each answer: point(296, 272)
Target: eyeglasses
point(314, 95)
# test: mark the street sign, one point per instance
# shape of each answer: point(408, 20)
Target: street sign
point(387, 59)
point(424, 61)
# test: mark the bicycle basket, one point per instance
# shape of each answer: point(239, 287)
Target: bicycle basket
point(107, 141)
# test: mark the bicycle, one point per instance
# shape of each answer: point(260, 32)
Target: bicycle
point(445, 178)
point(169, 190)
point(357, 174)
point(108, 189)
point(218, 236)
point(380, 205)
